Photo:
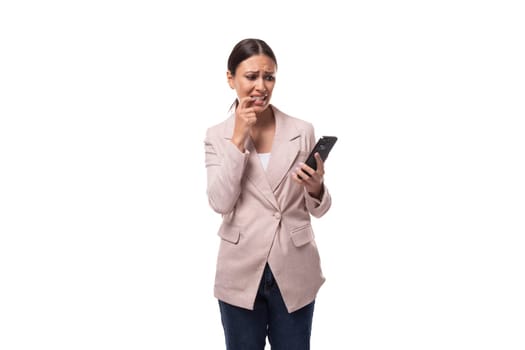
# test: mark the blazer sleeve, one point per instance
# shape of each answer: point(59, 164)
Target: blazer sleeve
point(225, 166)
point(316, 207)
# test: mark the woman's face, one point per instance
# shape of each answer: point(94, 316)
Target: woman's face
point(254, 78)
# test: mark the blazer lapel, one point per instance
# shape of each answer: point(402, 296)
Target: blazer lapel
point(258, 176)
point(285, 148)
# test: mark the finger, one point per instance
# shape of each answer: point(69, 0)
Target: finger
point(319, 162)
point(296, 178)
point(251, 120)
point(304, 174)
point(246, 102)
point(306, 169)
point(302, 178)
point(249, 113)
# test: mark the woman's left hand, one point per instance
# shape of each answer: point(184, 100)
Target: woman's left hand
point(313, 183)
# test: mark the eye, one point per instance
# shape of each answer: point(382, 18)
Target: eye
point(269, 77)
point(251, 76)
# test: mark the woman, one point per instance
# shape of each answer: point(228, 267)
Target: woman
point(268, 267)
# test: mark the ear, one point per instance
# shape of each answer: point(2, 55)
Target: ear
point(229, 76)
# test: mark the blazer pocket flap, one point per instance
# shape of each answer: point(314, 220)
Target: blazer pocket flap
point(230, 233)
point(302, 235)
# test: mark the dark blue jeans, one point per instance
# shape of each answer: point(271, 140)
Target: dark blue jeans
point(247, 330)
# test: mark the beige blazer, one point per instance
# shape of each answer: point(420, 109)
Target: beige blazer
point(266, 215)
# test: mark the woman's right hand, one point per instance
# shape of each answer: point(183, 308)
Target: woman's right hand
point(245, 117)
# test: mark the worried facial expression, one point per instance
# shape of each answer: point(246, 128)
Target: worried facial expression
point(254, 78)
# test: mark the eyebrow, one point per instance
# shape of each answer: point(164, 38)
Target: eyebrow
point(256, 71)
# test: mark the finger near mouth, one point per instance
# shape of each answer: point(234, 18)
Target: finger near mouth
point(259, 101)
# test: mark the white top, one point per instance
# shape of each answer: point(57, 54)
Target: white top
point(265, 158)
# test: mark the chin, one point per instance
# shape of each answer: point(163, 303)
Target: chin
point(259, 109)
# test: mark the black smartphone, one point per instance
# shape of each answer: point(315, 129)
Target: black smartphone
point(323, 146)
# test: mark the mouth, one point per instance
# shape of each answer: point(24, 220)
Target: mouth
point(259, 100)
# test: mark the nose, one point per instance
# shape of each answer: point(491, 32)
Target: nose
point(260, 85)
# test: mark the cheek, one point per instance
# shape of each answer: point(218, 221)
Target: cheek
point(243, 89)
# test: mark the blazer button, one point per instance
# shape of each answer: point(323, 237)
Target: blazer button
point(277, 216)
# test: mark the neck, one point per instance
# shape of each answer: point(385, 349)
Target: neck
point(265, 118)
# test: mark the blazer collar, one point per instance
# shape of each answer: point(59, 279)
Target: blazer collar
point(285, 148)
point(286, 145)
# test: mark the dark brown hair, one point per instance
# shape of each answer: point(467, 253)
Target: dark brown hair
point(247, 48)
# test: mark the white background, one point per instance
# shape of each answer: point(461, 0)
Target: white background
point(106, 237)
